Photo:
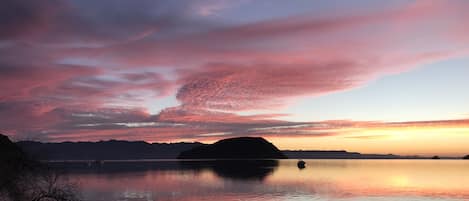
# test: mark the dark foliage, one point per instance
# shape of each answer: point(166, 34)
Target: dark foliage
point(23, 179)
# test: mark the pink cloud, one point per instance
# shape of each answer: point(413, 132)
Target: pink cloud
point(214, 67)
point(25, 81)
point(191, 115)
point(24, 18)
point(262, 86)
point(121, 89)
point(135, 125)
point(265, 64)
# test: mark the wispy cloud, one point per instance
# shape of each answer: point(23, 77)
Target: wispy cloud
point(217, 68)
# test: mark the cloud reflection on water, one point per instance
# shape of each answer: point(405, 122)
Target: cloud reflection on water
point(321, 180)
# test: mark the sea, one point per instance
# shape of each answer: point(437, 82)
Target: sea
point(268, 180)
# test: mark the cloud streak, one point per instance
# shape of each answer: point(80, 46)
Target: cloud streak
point(82, 69)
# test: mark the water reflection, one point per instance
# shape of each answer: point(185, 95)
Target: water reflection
point(235, 169)
point(276, 180)
point(228, 169)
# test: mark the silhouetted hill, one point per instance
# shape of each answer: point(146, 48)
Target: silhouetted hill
point(12, 158)
point(104, 150)
point(321, 154)
point(14, 164)
point(341, 154)
point(466, 157)
point(239, 148)
point(9, 150)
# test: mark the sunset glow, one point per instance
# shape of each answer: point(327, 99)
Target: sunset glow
point(365, 76)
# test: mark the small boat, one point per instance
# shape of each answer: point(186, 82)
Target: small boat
point(95, 163)
point(301, 164)
point(99, 162)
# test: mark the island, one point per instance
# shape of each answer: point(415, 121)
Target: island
point(466, 157)
point(235, 148)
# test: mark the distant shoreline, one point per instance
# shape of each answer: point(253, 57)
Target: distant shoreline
point(221, 159)
point(140, 150)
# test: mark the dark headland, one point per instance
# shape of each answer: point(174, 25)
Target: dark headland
point(22, 178)
point(9, 149)
point(235, 148)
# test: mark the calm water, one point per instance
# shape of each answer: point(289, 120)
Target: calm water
point(275, 180)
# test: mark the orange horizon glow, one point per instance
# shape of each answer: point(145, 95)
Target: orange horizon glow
point(426, 138)
point(423, 138)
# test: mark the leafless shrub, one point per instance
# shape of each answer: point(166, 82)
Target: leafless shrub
point(37, 183)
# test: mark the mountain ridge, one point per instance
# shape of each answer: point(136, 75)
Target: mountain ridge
point(52, 151)
point(104, 150)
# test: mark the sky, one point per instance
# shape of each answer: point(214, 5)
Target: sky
point(367, 76)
